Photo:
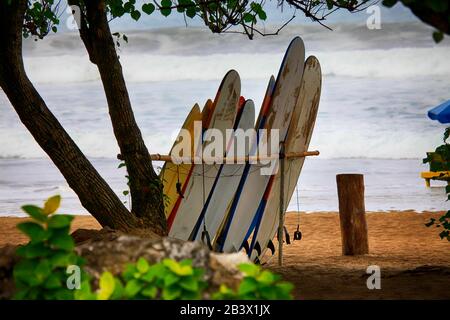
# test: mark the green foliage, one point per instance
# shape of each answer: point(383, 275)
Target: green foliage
point(41, 17)
point(257, 284)
point(41, 272)
point(218, 15)
point(168, 280)
point(440, 161)
point(428, 10)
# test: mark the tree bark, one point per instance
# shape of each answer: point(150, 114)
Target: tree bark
point(352, 214)
point(94, 193)
point(145, 186)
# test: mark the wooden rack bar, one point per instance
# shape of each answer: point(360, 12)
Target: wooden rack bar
point(169, 158)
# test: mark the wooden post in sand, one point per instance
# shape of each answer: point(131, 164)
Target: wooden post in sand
point(352, 214)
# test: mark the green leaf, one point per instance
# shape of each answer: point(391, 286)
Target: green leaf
point(142, 265)
point(247, 285)
point(63, 259)
point(135, 15)
point(150, 292)
point(132, 288)
point(430, 223)
point(444, 234)
point(191, 12)
point(106, 286)
point(186, 262)
point(33, 230)
point(35, 212)
point(148, 8)
point(62, 241)
point(170, 279)
point(34, 250)
point(52, 204)
point(177, 268)
point(283, 290)
point(85, 292)
point(438, 36)
point(171, 293)
point(166, 7)
point(266, 277)
point(24, 273)
point(42, 270)
point(248, 17)
point(262, 15)
point(60, 221)
point(389, 3)
point(118, 290)
point(190, 284)
point(154, 271)
point(128, 273)
point(249, 269)
point(53, 282)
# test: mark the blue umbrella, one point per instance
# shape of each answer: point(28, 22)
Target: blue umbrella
point(441, 113)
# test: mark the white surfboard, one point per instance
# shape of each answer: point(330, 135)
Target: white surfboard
point(276, 114)
point(222, 117)
point(299, 136)
point(226, 182)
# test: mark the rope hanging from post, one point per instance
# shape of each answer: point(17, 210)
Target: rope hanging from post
point(178, 185)
point(298, 233)
point(281, 217)
point(206, 239)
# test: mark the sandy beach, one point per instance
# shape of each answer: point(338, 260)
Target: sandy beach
point(414, 262)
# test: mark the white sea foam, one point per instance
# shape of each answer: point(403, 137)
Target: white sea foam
point(377, 87)
point(398, 50)
point(391, 63)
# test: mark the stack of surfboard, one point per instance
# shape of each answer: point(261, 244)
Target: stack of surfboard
point(234, 206)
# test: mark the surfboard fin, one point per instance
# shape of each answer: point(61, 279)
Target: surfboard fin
point(257, 247)
point(246, 247)
point(271, 246)
point(287, 236)
point(205, 236)
point(180, 193)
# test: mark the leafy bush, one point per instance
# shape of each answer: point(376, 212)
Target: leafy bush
point(257, 284)
point(440, 161)
point(167, 280)
point(41, 273)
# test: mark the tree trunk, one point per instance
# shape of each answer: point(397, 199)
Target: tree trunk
point(145, 186)
point(352, 214)
point(94, 193)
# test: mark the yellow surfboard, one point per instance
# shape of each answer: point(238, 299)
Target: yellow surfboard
point(171, 173)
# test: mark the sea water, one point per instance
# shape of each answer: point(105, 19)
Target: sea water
point(377, 88)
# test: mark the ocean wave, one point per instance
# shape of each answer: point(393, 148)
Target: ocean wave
point(332, 145)
point(391, 63)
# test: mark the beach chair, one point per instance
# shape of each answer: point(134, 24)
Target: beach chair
point(437, 171)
